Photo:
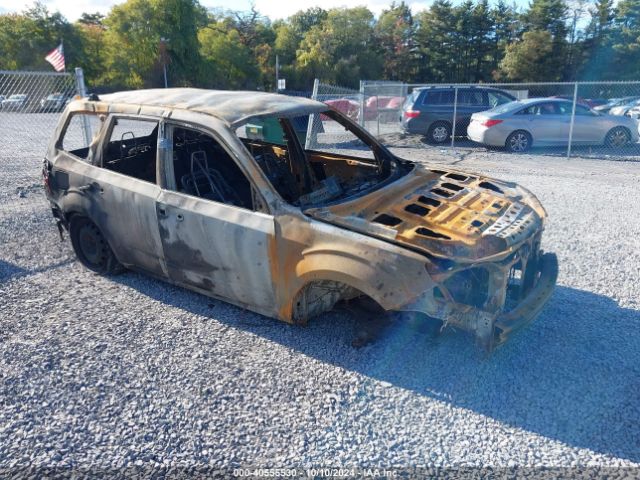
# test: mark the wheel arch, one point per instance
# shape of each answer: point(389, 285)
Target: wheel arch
point(623, 127)
point(355, 273)
point(321, 292)
point(526, 132)
point(111, 262)
point(434, 124)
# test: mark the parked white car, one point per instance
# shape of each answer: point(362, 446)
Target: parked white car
point(17, 101)
point(544, 122)
point(624, 108)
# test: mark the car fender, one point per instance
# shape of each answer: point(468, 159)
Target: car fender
point(308, 251)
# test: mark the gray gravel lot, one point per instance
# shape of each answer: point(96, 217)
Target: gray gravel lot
point(102, 372)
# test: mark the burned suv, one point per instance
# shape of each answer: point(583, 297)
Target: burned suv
point(286, 207)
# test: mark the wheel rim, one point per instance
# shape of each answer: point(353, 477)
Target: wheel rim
point(519, 142)
point(91, 244)
point(439, 134)
point(618, 138)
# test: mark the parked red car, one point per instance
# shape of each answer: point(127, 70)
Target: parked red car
point(349, 107)
point(384, 106)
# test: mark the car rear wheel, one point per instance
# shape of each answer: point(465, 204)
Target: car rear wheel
point(439, 132)
point(91, 247)
point(518, 141)
point(617, 137)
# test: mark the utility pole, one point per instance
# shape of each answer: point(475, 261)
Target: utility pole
point(277, 74)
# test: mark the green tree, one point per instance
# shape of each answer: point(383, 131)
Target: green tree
point(530, 59)
point(288, 37)
point(549, 15)
point(256, 33)
point(302, 21)
point(545, 28)
point(133, 37)
point(91, 32)
point(626, 39)
point(92, 19)
point(597, 53)
point(435, 42)
point(480, 42)
point(504, 21)
point(341, 49)
point(228, 63)
point(575, 46)
point(26, 38)
point(395, 33)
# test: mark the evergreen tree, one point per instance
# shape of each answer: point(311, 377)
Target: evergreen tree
point(597, 54)
point(504, 21)
point(626, 39)
point(394, 32)
point(435, 43)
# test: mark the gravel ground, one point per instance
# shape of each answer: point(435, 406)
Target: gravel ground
point(126, 371)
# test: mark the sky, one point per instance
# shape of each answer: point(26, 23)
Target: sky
point(270, 8)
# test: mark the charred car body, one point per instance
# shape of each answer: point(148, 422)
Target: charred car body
point(285, 207)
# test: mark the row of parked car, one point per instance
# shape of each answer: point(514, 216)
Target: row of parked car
point(21, 102)
point(496, 118)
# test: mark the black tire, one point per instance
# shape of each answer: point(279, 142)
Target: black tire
point(617, 137)
point(518, 142)
point(439, 132)
point(91, 247)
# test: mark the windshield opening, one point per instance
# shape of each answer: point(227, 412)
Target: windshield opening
point(318, 159)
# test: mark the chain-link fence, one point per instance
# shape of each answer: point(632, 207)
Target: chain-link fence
point(597, 119)
point(30, 106)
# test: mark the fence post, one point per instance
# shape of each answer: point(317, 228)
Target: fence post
point(361, 112)
point(80, 87)
point(82, 91)
point(378, 115)
point(573, 117)
point(455, 114)
point(312, 117)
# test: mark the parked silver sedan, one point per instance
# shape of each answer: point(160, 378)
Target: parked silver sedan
point(542, 122)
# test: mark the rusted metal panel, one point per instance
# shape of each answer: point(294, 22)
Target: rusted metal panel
point(232, 107)
point(218, 248)
point(101, 194)
point(443, 217)
point(309, 251)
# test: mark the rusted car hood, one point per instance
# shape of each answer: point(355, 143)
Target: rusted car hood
point(445, 213)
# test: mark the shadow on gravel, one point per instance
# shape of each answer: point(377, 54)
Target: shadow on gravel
point(10, 270)
point(573, 375)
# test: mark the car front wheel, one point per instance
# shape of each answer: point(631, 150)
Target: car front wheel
point(518, 141)
point(617, 137)
point(91, 247)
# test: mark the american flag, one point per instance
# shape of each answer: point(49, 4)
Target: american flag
point(56, 58)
